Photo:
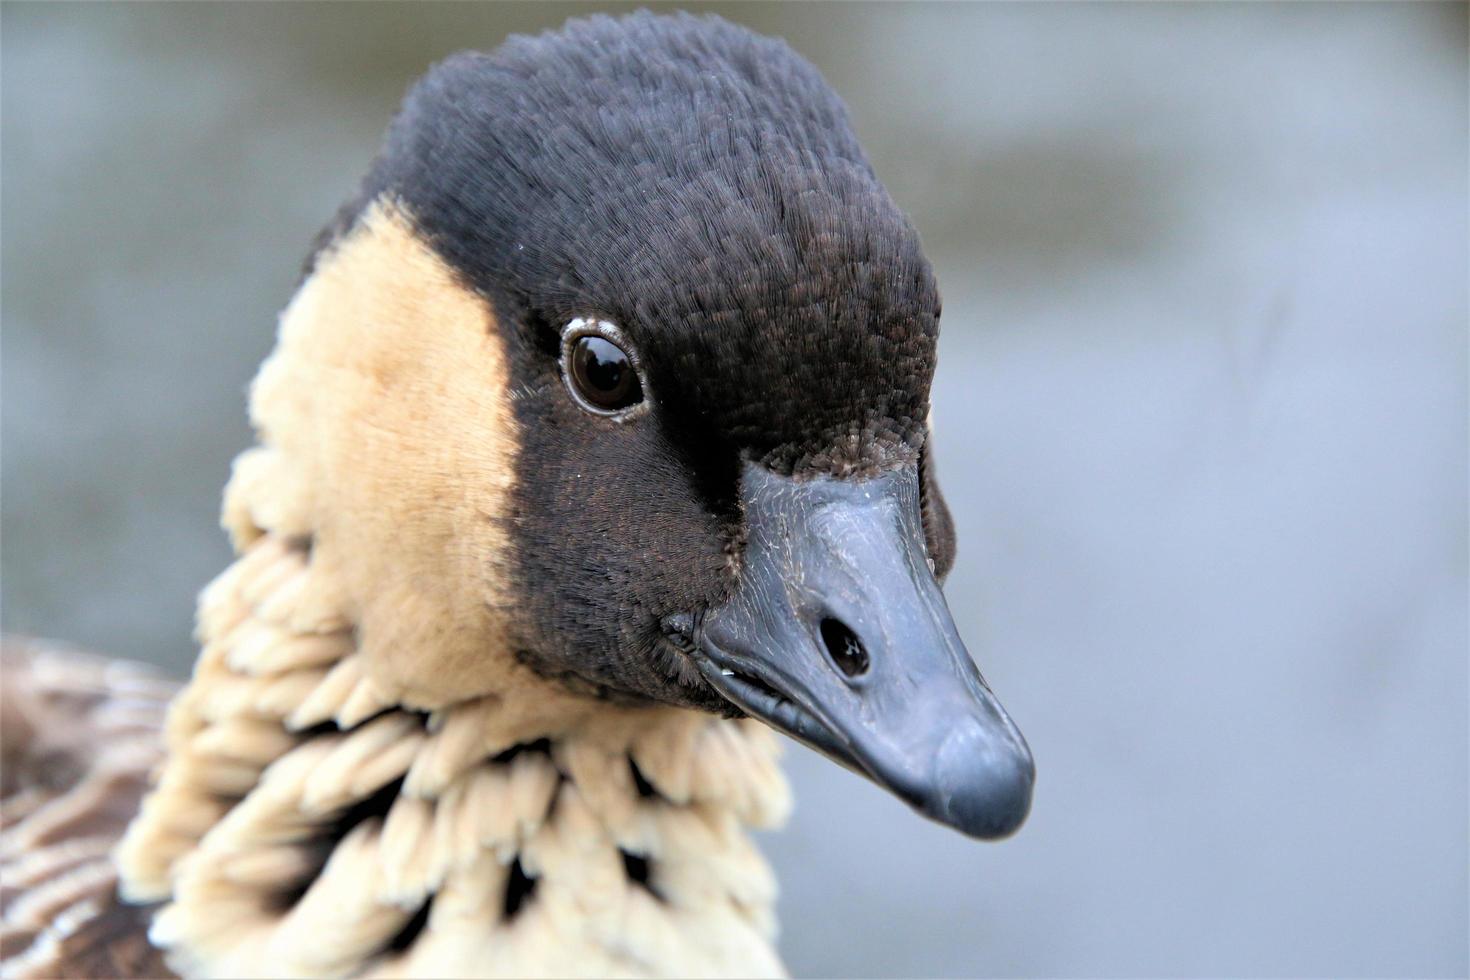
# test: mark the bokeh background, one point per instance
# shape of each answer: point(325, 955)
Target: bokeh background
point(1201, 416)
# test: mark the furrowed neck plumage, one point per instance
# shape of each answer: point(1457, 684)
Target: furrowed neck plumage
point(347, 790)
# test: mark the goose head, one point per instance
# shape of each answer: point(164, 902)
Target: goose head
point(614, 379)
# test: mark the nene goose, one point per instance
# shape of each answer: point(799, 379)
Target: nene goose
point(594, 445)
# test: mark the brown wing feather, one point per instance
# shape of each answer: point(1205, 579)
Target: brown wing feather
point(79, 736)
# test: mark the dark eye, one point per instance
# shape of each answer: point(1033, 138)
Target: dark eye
point(602, 374)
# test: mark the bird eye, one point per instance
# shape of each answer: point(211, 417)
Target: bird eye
point(601, 373)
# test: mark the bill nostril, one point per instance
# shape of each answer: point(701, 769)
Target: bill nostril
point(843, 646)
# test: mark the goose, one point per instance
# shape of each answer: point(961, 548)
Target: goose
point(594, 449)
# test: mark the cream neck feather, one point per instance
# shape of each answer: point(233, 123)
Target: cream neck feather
point(280, 733)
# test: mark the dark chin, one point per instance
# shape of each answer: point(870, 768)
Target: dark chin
point(677, 662)
point(710, 701)
point(663, 674)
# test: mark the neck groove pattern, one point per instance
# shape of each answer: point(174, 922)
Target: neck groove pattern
point(304, 823)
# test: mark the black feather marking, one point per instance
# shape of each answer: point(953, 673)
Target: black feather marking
point(376, 805)
point(520, 888)
point(645, 789)
point(639, 871)
point(405, 937)
point(540, 745)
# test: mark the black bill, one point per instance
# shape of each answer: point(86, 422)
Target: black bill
point(838, 635)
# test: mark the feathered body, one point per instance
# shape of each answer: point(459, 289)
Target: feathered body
point(80, 736)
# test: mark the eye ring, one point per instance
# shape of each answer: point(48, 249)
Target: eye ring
point(602, 370)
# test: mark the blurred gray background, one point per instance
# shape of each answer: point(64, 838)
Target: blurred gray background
point(1201, 416)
